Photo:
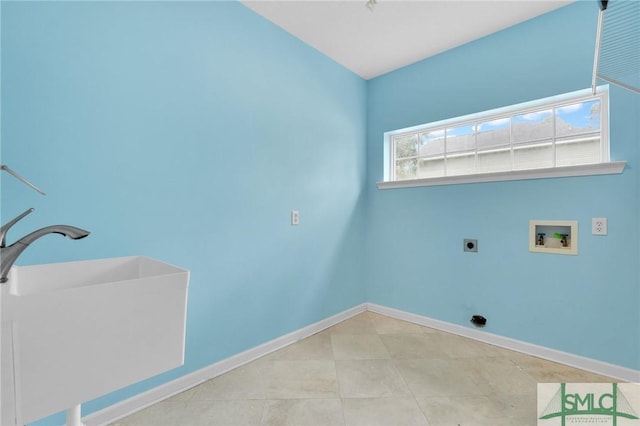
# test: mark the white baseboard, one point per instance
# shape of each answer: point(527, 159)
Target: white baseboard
point(129, 406)
point(577, 361)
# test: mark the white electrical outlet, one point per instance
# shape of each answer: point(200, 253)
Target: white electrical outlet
point(599, 226)
point(295, 217)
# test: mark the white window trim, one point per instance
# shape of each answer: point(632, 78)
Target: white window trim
point(602, 168)
point(609, 168)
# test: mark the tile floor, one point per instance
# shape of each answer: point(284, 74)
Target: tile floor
point(371, 370)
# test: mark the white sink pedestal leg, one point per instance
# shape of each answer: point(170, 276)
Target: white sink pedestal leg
point(73, 416)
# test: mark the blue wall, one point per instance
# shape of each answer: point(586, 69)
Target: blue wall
point(587, 304)
point(188, 132)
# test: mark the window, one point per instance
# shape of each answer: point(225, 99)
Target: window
point(557, 135)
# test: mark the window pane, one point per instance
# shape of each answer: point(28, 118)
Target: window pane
point(497, 160)
point(430, 167)
point(432, 144)
point(406, 169)
point(461, 164)
point(540, 134)
point(580, 118)
point(493, 133)
point(586, 151)
point(406, 146)
point(533, 126)
point(533, 156)
point(461, 139)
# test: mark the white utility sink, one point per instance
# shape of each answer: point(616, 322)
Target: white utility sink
point(74, 331)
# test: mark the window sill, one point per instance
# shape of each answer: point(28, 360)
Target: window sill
point(610, 168)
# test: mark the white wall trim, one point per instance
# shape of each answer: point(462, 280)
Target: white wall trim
point(129, 406)
point(577, 361)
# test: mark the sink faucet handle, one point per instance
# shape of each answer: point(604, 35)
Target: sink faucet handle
point(5, 228)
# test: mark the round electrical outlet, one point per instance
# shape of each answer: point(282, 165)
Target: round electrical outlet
point(470, 245)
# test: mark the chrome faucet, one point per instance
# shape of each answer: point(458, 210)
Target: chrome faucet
point(9, 255)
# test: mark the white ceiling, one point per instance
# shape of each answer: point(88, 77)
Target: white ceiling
point(396, 32)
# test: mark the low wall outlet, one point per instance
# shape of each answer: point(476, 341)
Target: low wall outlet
point(599, 226)
point(295, 217)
